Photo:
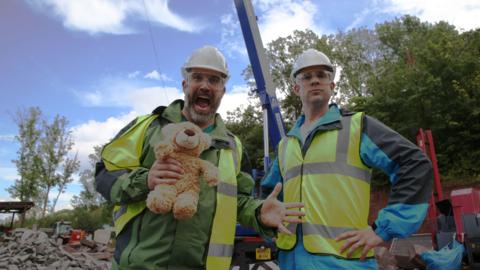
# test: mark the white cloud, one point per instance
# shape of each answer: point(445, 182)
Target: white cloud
point(280, 18)
point(9, 173)
point(7, 137)
point(155, 75)
point(233, 99)
point(138, 101)
point(231, 34)
point(64, 200)
point(146, 99)
point(359, 18)
point(159, 12)
point(462, 13)
point(276, 18)
point(130, 94)
point(113, 17)
point(95, 133)
point(134, 74)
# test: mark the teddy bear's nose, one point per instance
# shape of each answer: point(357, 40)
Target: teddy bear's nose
point(189, 132)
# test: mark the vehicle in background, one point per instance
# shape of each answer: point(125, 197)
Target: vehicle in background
point(63, 230)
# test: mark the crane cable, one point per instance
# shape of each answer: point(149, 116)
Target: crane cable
point(155, 52)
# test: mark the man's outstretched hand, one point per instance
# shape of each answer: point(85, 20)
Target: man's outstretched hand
point(275, 212)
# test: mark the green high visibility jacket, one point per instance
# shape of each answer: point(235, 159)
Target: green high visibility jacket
point(152, 241)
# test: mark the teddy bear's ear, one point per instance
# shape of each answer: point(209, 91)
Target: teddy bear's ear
point(168, 130)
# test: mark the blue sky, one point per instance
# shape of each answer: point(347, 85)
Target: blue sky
point(98, 62)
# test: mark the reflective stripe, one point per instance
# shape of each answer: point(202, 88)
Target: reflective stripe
point(227, 189)
point(323, 230)
point(220, 250)
point(222, 238)
point(284, 160)
point(328, 168)
point(237, 152)
point(331, 161)
point(233, 146)
point(119, 212)
point(340, 166)
point(343, 140)
point(292, 227)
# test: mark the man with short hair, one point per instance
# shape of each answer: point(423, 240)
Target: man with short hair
point(325, 162)
point(129, 170)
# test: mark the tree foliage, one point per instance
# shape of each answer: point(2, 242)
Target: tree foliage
point(28, 122)
point(89, 197)
point(247, 125)
point(26, 188)
point(43, 161)
point(53, 148)
point(407, 73)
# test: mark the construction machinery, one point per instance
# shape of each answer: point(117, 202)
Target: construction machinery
point(455, 218)
point(63, 230)
point(250, 248)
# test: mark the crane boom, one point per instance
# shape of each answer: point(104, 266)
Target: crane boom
point(273, 126)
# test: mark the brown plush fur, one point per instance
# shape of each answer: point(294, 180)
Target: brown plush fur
point(183, 142)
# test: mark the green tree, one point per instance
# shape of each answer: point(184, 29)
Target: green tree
point(247, 125)
point(89, 197)
point(53, 149)
point(407, 73)
point(428, 77)
point(29, 130)
point(70, 166)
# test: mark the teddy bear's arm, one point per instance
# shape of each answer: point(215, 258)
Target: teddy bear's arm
point(163, 150)
point(210, 172)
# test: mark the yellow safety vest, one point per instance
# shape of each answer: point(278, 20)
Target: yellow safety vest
point(124, 153)
point(332, 182)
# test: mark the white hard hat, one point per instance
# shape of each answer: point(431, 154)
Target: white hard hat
point(311, 57)
point(207, 57)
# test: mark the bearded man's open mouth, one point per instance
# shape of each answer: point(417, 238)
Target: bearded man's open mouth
point(202, 103)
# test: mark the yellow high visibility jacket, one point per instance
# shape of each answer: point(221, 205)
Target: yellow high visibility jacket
point(124, 153)
point(329, 177)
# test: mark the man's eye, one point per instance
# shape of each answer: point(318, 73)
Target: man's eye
point(214, 80)
point(322, 75)
point(307, 76)
point(197, 77)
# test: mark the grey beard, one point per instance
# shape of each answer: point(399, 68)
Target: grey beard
point(197, 118)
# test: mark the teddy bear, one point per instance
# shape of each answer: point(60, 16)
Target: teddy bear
point(183, 142)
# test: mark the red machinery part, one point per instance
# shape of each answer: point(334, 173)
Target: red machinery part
point(464, 201)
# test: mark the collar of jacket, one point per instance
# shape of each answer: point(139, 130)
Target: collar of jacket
point(219, 135)
point(329, 121)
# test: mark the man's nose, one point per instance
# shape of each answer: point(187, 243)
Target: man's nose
point(315, 81)
point(205, 88)
point(204, 85)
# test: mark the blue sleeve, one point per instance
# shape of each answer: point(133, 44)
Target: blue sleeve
point(271, 178)
point(410, 173)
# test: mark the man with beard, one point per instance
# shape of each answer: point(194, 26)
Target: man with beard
point(129, 170)
point(325, 161)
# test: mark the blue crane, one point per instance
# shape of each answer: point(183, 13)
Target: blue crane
point(273, 126)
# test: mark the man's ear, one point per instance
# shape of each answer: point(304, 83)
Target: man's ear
point(296, 89)
point(184, 85)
